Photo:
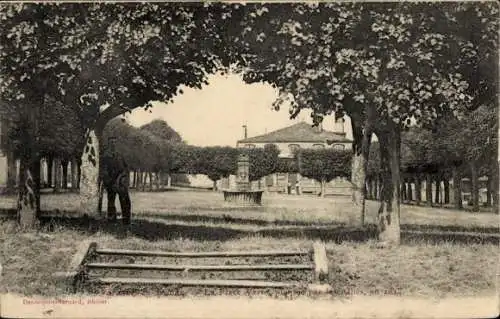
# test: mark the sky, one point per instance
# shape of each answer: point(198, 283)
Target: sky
point(215, 114)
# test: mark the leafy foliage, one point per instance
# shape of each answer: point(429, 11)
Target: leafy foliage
point(391, 57)
point(93, 55)
point(140, 149)
point(324, 164)
point(162, 130)
point(60, 132)
point(216, 162)
point(263, 161)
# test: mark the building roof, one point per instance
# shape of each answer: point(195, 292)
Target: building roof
point(300, 132)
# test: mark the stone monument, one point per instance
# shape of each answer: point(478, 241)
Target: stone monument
point(243, 193)
point(243, 180)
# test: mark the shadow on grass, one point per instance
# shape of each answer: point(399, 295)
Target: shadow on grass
point(236, 220)
point(224, 219)
point(155, 190)
point(153, 230)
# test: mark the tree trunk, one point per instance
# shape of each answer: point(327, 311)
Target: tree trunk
point(446, 190)
point(389, 217)
point(488, 192)
point(372, 188)
point(475, 186)
point(134, 179)
point(151, 182)
point(64, 174)
point(457, 187)
point(214, 185)
point(418, 190)
point(50, 169)
point(409, 191)
point(144, 178)
point(28, 203)
point(428, 189)
point(89, 177)
point(362, 133)
point(11, 172)
point(375, 188)
point(494, 186)
point(437, 191)
point(323, 183)
point(74, 177)
point(78, 173)
point(403, 191)
point(138, 182)
point(158, 180)
point(169, 180)
point(57, 174)
point(368, 188)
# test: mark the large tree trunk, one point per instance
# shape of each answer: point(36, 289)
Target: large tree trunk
point(389, 215)
point(89, 178)
point(28, 203)
point(475, 186)
point(169, 180)
point(214, 185)
point(323, 188)
point(457, 187)
point(362, 133)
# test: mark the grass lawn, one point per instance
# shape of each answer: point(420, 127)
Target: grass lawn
point(201, 221)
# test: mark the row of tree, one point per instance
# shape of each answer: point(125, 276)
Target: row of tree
point(383, 65)
point(155, 151)
point(455, 149)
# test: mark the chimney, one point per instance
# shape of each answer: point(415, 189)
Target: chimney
point(245, 133)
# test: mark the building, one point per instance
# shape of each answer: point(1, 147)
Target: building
point(297, 136)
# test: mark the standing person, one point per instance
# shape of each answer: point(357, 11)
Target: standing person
point(297, 187)
point(115, 178)
point(289, 188)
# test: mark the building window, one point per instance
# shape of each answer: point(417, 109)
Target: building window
point(270, 145)
point(318, 146)
point(339, 147)
point(293, 148)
